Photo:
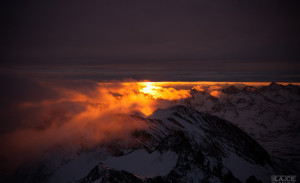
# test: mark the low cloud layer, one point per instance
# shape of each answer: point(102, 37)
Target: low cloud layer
point(36, 115)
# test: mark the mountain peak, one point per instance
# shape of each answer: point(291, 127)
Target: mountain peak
point(249, 89)
point(106, 174)
point(179, 109)
point(192, 122)
point(275, 85)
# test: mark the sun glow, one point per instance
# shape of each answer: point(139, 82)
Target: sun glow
point(159, 91)
point(151, 90)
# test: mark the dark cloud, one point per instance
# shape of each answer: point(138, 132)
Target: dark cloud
point(217, 70)
point(160, 34)
point(16, 90)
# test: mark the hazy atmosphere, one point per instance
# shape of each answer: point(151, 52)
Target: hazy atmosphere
point(149, 91)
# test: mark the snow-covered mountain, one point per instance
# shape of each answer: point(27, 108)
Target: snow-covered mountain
point(270, 115)
point(180, 145)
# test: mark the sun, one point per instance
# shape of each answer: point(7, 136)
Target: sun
point(150, 89)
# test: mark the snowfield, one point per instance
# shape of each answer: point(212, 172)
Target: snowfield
point(144, 164)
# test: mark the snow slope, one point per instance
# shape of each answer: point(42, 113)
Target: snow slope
point(144, 164)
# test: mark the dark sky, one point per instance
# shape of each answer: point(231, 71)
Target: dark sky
point(241, 40)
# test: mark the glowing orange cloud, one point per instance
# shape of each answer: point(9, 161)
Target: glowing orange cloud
point(159, 92)
point(215, 93)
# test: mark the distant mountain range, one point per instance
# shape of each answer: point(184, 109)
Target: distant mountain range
point(270, 115)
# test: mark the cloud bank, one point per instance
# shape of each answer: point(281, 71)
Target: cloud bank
point(37, 116)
